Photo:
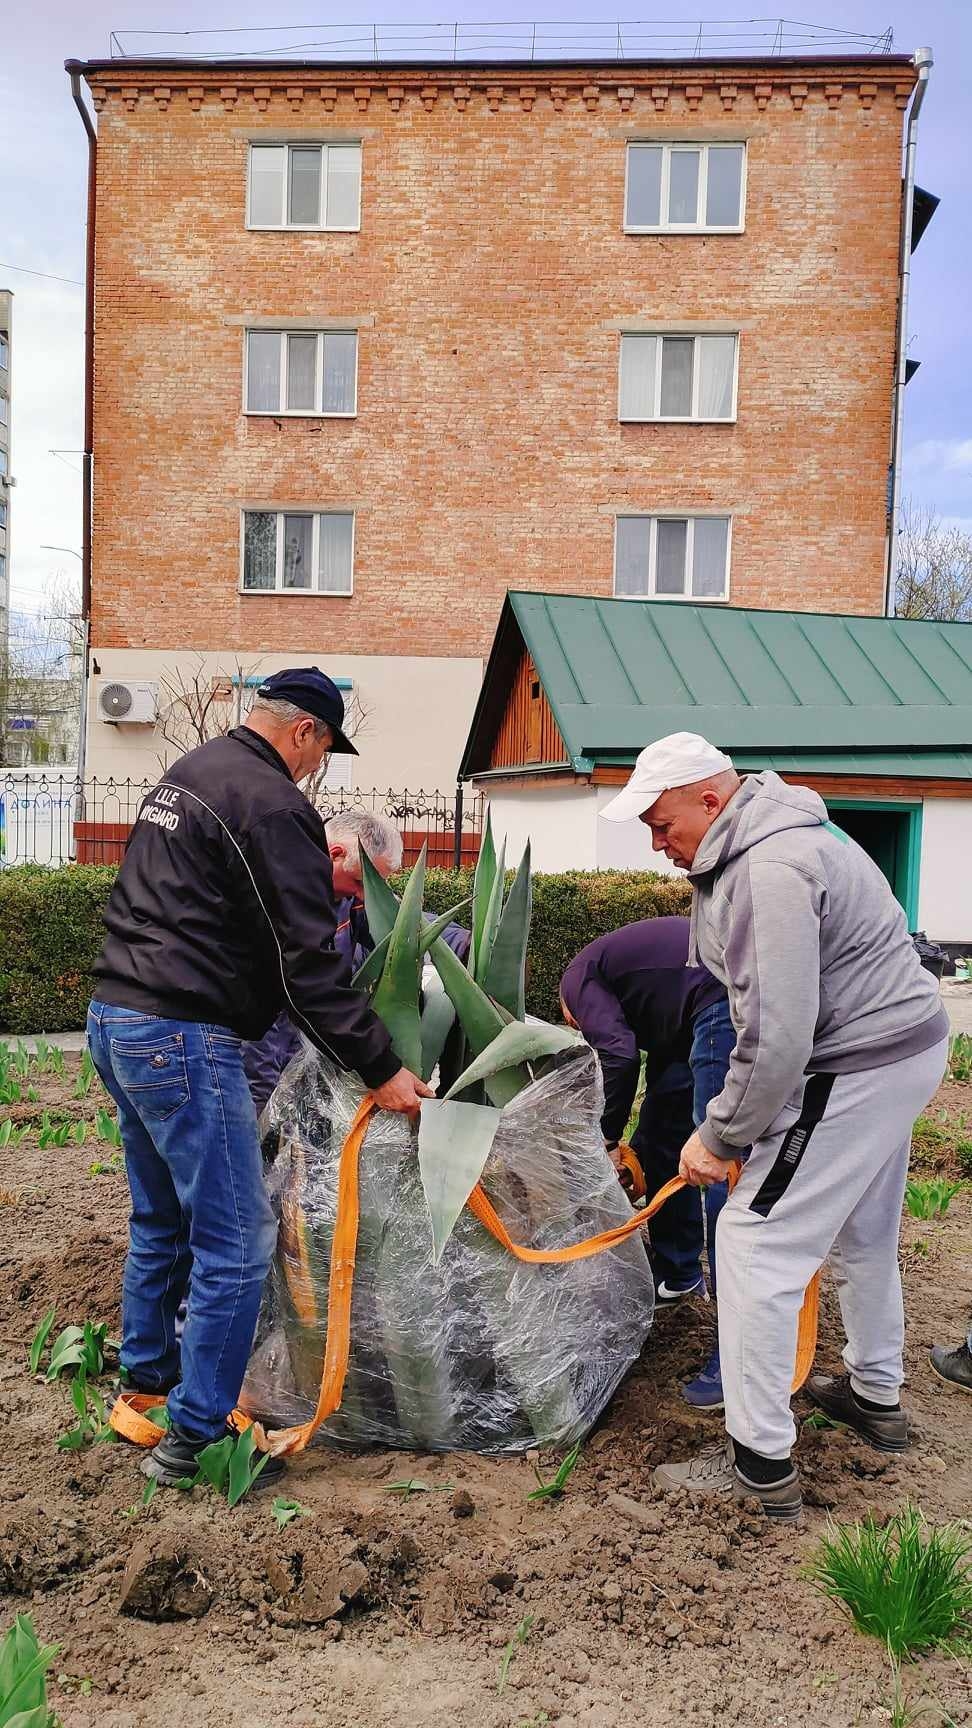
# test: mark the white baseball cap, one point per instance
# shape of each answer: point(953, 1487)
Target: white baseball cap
point(678, 760)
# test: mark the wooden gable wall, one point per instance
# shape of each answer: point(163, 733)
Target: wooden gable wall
point(528, 732)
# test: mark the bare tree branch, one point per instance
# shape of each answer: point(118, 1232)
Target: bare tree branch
point(934, 567)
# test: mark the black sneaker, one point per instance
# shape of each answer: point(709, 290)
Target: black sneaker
point(176, 1459)
point(126, 1382)
point(954, 1366)
point(834, 1395)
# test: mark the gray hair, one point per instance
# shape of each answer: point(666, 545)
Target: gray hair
point(377, 833)
point(285, 713)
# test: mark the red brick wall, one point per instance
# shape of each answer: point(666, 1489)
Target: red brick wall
point(486, 452)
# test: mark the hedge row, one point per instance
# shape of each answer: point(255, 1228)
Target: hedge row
point(570, 910)
point(51, 930)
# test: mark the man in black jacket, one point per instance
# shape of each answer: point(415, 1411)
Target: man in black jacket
point(221, 914)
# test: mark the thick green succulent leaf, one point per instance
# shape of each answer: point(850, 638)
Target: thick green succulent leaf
point(503, 1060)
point(438, 1019)
point(381, 903)
point(479, 1018)
point(372, 966)
point(454, 1144)
point(430, 932)
point(505, 977)
point(396, 1000)
point(482, 889)
point(493, 913)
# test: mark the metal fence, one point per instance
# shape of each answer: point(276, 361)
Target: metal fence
point(51, 819)
point(603, 39)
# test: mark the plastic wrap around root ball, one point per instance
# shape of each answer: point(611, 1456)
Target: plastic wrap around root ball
point(479, 1352)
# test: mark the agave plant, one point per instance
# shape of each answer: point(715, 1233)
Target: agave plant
point(453, 1341)
point(473, 1030)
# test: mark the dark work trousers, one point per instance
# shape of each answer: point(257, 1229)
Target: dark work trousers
point(664, 1125)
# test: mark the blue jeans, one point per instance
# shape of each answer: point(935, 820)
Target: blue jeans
point(713, 1042)
point(199, 1206)
point(664, 1125)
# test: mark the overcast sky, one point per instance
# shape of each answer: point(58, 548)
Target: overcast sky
point(42, 168)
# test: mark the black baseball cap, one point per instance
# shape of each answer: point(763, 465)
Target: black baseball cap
point(309, 688)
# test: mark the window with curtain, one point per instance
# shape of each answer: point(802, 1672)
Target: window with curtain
point(672, 557)
point(684, 186)
point(298, 551)
point(304, 186)
point(301, 372)
point(677, 377)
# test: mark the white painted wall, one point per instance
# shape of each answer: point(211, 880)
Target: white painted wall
point(418, 711)
point(560, 822)
point(945, 884)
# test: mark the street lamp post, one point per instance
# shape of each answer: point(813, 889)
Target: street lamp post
point(83, 705)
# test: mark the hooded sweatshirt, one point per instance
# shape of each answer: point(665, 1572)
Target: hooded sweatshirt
point(803, 929)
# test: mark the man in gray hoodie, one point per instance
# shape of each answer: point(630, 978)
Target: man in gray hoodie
point(840, 1042)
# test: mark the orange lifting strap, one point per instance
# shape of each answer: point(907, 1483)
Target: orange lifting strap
point(344, 1242)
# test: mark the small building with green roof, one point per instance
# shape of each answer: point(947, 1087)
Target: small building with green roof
point(874, 713)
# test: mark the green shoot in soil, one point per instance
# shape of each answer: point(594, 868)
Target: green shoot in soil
point(24, 1662)
point(518, 1639)
point(106, 1127)
point(960, 1058)
point(819, 1419)
point(231, 1465)
point(931, 1198)
point(85, 1076)
point(40, 1338)
point(106, 1166)
point(92, 1418)
point(81, 1347)
point(11, 1136)
point(553, 1489)
point(907, 1583)
point(285, 1511)
point(148, 1495)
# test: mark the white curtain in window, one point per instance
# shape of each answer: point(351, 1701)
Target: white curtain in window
point(723, 185)
point(639, 360)
point(340, 360)
point(683, 185)
point(298, 564)
point(268, 163)
point(343, 185)
point(305, 186)
point(676, 379)
point(632, 547)
point(302, 373)
point(337, 532)
point(717, 362)
point(263, 372)
point(644, 186)
point(711, 536)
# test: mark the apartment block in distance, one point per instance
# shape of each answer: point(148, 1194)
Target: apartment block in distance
point(376, 343)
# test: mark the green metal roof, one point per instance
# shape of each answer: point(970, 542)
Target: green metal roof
point(800, 691)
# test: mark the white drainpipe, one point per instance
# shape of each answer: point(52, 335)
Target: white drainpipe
point(924, 62)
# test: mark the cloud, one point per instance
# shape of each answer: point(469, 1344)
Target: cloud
point(944, 455)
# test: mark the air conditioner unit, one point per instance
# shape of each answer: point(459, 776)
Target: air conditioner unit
point(133, 704)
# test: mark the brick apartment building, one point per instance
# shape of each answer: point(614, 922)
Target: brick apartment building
point(375, 343)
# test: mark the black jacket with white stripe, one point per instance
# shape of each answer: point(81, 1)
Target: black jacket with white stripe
point(223, 910)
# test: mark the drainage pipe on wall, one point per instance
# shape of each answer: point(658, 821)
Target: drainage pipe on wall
point(923, 62)
point(73, 68)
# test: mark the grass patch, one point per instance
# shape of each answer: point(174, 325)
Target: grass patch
point(939, 1142)
point(906, 1583)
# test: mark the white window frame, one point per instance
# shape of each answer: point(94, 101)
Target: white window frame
point(318, 412)
point(278, 590)
point(283, 226)
point(4, 408)
point(695, 418)
point(689, 517)
point(4, 350)
point(703, 145)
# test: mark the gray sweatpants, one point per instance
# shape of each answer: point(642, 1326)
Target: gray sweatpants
point(828, 1178)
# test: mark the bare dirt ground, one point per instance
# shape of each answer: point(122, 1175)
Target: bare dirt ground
point(376, 1610)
